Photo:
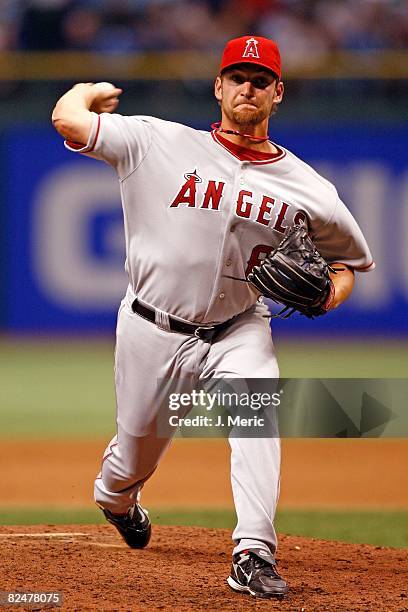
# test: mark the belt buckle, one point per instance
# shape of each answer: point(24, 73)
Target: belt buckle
point(198, 330)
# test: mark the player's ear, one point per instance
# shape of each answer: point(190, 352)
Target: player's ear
point(279, 91)
point(218, 88)
point(277, 97)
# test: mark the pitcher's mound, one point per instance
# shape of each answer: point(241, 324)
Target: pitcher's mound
point(185, 568)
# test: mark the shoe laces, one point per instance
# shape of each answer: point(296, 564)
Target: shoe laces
point(268, 568)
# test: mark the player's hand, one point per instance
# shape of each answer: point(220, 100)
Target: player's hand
point(101, 97)
point(106, 99)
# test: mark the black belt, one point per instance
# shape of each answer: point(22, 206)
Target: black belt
point(207, 334)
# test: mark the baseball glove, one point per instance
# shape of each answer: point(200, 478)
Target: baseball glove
point(295, 275)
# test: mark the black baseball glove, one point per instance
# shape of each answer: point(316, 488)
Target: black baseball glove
point(295, 275)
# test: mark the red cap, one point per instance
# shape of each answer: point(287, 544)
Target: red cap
point(254, 50)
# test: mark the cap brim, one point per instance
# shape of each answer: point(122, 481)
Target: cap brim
point(252, 64)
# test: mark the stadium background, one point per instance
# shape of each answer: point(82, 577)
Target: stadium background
point(345, 71)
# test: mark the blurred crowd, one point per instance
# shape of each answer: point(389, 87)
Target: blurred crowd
point(311, 27)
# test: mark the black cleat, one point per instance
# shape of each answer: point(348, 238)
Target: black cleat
point(134, 527)
point(254, 572)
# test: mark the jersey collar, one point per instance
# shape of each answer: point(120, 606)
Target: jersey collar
point(246, 154)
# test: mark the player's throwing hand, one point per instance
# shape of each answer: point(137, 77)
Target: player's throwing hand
point(106, 99)
point(80, 100)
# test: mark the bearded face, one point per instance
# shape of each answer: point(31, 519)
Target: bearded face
point(245, 115)
point(248, 94)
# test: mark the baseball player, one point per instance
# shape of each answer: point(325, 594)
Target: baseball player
point(201, 209)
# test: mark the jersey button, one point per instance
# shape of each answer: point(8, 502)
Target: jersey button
point(232, 228)
point(221, 296)
point(228, 262)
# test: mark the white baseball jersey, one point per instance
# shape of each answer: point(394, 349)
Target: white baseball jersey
point(195, 214)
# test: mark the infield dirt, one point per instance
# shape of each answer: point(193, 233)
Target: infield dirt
point(195, 474)
point(185, 568)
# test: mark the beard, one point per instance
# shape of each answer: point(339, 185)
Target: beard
point(247, 116)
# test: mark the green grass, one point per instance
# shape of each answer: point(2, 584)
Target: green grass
point(61, 388)
point(378, 358)
point(382, 528)
point(56, 388)
point(32, 516)
point(364, 527)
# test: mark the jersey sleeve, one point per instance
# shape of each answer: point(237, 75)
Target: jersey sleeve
point(341, 240)
point(118, 140)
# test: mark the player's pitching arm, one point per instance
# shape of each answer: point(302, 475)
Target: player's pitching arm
point(343, 282)
point(72, 114)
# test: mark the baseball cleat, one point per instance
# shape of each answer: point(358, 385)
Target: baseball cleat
point(254, 572)
point(134, 527)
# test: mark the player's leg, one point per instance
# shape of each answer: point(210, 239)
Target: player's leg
point(128, 462)
point(245, 351)
point(145, 355)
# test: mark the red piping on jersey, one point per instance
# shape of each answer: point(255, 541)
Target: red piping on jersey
point(245, 154)
point(352, 268)
point(78, 146)
point(74, 145)
point(364, 267)
point(108, 454)
point(96, 135)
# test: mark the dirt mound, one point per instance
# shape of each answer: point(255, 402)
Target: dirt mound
point(185, 568)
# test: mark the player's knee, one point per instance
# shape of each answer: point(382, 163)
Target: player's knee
point(119, 480)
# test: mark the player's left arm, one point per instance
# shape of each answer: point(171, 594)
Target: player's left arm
point(343, 245)
point(343, 281)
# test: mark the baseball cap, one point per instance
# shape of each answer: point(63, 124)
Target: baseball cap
point(253, 50)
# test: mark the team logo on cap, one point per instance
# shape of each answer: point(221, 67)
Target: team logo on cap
point(251, 48)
